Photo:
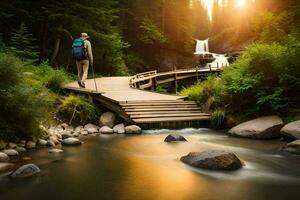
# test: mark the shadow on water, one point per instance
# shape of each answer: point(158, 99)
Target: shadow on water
point(144, 167)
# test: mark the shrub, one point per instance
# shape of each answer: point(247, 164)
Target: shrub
point(218, 118)
point(78, 109)
point(21, 105)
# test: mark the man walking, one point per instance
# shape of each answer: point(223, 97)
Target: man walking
point(82, 53)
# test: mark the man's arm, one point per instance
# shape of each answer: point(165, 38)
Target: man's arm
point(90, 52)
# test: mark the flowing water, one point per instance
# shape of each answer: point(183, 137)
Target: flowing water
point(143, 167)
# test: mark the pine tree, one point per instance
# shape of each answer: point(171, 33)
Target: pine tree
point(22, 42)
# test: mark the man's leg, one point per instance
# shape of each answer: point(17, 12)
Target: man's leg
point(85, 68)
point(79, 70)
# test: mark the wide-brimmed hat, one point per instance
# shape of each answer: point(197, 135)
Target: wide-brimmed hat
point(85, 35)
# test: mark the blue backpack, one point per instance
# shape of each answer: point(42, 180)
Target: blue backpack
point(78, 50)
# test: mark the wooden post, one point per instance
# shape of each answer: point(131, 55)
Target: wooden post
point(217, 65)
point(175, 82)
point(209, 67)
point(153, 84)
point(197, 72)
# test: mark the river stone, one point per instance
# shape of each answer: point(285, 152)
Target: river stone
point(71, 141)
point(50, 143)
point(175, 138)
point(25, 171)
point(11, 145)
point(119, 128)
point(63, 126)
point(267, 127)
point(106, 130)
point(4, 167)
point(92, 130)
point(89, 125)
point(84, 133)
point(10, 152)
point(54, 151)
point(4, 157)
point(54, 140)
point(215, 160)
point(66, 135)
point(78, 129)
point(20, 149)
point(30, 145)
point(133, 129)
point(107, 119)
point(293, 147)
point(292, 130)
point(42, 142)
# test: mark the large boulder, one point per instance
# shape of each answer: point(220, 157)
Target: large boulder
point(25, 171)
point(71, 141)
point(10, 152)
point(267, 127)
point(133, 129)
point(215, 160)
point(4, 157)
point(292, 130)
point(106, 130)
point(293, 147)
point(107, 119)
point(66, 134)
point(119, 128)
point(175, 138)
point(12, 145)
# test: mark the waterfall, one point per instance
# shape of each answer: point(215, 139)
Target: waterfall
point(201, 47)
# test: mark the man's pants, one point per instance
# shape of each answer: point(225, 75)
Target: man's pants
point(82, 69)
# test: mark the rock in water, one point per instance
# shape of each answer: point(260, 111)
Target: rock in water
point(175, 138)
point(106, 130)
point(133, 129)
point(120, 128)
point(30, 145)
point(261, 128)
point(71, 141)
point(20, 149)
point(25, 171)
point(293, 147)
point(107, 119)
point(4, 157)
point(215, 160)
point(54, 151)
point(10, 152)
point(42, 142)
point(292, 130)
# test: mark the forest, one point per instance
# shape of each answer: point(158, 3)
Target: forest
point(136, 36)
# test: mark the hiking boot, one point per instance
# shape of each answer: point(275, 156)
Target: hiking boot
point(79, 83)
point(82, 84)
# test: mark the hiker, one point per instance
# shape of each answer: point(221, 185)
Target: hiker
point(82, 53)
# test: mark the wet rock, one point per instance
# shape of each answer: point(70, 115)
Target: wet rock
point(66, 135)
point(26, 158)
point(106, 130)
point(215, 160)
point(11, 145)
point(87, 126)
point(42, 142)
point(30, 145)
point(107, 119)
point(63, 126)
point(25, 171)
point(92, 130)
point(293, 147)
point(133, 129)
point(175, 138)
point(10, 152)
point(54, 139)
point(291, 130)
point(50, 143)
point(261, 128)
point(76, 134)
point(55, 151)
point(119, 128)
point(78, 129)
point(84, 133)
point(4, 157)
point(71, 141)
point(4, 167)
point(20, 149)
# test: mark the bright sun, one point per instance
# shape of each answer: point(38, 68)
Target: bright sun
point(240, 3)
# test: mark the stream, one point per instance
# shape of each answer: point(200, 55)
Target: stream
point(144, 167)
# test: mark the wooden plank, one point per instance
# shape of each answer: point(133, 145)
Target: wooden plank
point(171, 119)
point(159, 109)
point(162, 112)
point(168, 115)
point(160, 106)
point(151, 101)
point(155, 104)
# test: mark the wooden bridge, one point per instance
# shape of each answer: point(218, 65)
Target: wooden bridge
point(133, 100)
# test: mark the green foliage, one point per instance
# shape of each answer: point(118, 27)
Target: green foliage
point(218, 118)
point(150, 34)
point(79, 109)
point(161, 89)
point(21, 106)
point(22, 43)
